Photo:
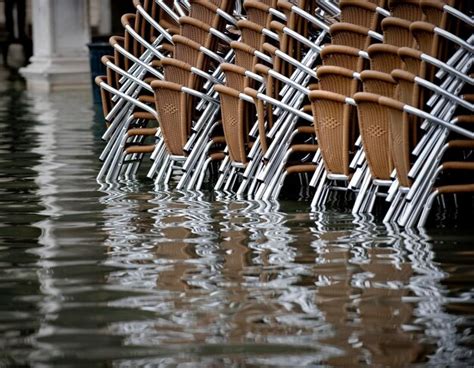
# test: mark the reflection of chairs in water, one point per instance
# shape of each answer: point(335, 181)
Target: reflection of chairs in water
point(177, 251)
point(361, 291)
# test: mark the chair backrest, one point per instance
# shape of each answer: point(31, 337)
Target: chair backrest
point(427, 40)
point(342, 56)
point(258, 12)
point(378, 83)
point(399, 132)
point(251, 33)
point(119, 59)
point(338, 80)
point(350, 35)
point(374, 130)
point(205, 11)
point(174, 113)
point(332, 122)
point(195, 30)
point(361, 13)
point(396, 31)
point(232, 115)
point(406, 9)
point(188, 51)
point(235, 77)
point(177, 71)
point(384, 57)
point(105, 97)
point(406, 86)
point(244, 54)
point(412, 60)
point(296, 23)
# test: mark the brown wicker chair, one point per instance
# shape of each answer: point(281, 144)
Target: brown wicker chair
point(350, 35)
point(406, 9)
point(235, 124)
point(378, 83)
point(396, 32)
point(361, 13)
point(338, 80)
point(384, 57)
point(342, 56)
point(334, 126)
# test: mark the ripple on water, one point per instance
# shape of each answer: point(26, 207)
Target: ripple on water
point(131, 274)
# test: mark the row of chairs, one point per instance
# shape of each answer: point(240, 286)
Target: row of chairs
point(366, 97)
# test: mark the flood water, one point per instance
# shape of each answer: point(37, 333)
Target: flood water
point(131, 275)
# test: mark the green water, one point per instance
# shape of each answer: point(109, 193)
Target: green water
point(133, 275)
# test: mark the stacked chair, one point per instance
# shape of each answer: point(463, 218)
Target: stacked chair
point(371, 98)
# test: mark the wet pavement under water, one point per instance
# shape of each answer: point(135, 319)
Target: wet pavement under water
point(131, 275)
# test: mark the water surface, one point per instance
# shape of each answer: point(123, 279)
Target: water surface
point(131, 274)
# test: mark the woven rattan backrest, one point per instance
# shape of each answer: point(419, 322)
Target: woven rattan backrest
point(427, 40)
point(105, 97)
point(342, 56)
point(434, 12)
point(112, 77)
point(361, 13)
point(380, 3)
point(130, 43)
point(234, 76)
point(272, 90)
point(244, 54)
point(332, 119)
point(338, 80)
point(406, 86)
point(399, 133)
point(406, 9)
point(262, 119)
point(396, 31)
point(178, 72)
point(232, 122)
point(296, 23)
point(350, 35)
point(412, 60)
point(257, 12)
point(119, 59)
point(205, 11)
point(195, 30)
point(271, 3)
point(188, 51)
point(226, 5)
point(251, 33)
point(384, 57)
point(174, 115)
point(374, 130)
point(378, 83)
point(166, 21)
